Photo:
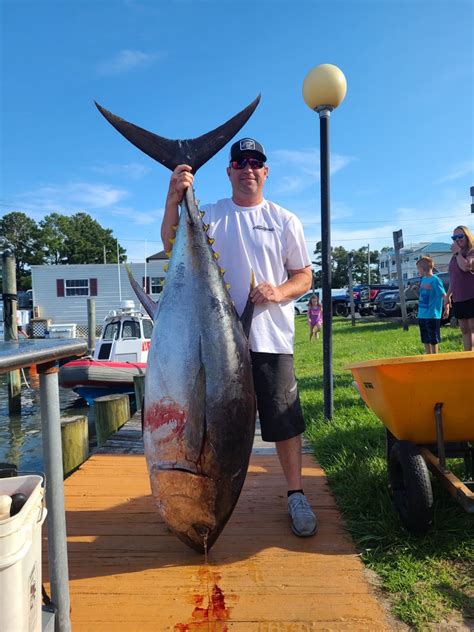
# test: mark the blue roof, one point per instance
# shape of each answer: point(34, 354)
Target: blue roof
point(436, 246)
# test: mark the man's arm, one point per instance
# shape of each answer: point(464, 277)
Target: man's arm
point(181, 179)
point(298, 283)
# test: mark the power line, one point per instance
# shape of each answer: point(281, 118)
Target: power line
point(372, 238)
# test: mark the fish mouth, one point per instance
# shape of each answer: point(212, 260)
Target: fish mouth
point(188, 468)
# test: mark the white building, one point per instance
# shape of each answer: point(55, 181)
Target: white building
point(60, 292)
point(439, 252)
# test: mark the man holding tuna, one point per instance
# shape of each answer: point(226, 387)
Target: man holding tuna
point(254, 235)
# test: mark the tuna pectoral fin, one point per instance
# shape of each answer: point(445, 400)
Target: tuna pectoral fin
point(247, 314)
point(195, 427)
point(147, 302)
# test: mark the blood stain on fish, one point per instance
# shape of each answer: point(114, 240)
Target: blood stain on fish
point(165, 412)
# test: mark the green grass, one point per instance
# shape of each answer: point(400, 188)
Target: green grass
point(427, 579)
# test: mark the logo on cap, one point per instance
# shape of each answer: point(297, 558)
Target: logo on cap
point(247, 144)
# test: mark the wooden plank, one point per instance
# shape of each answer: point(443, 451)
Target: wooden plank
point(128, 572)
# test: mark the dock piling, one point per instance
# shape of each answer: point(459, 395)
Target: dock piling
point(110, 413)
point(11, 326)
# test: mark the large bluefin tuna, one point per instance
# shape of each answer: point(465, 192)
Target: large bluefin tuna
point(199, 408)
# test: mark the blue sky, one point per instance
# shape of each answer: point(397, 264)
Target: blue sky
point(401, 142)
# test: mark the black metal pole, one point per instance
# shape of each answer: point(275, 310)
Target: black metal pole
point(324, 115)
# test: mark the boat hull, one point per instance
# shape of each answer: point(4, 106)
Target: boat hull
point(93, 378)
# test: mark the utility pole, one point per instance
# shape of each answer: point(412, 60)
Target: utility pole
point(368, 264)
point(350, 262)
point(398, 245)
point(11, 325)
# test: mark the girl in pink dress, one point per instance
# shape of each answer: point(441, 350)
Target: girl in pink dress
point(315, 317)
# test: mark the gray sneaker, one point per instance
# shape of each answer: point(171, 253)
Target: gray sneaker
point(303, 520)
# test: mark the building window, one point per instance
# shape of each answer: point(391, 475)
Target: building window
point(156, 285)
point(77, 287)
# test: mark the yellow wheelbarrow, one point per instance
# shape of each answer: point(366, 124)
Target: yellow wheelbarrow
point(427, 406)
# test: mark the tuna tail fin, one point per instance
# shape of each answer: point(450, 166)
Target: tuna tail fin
point(247, 314)
point(147, 302)
point(171, 153)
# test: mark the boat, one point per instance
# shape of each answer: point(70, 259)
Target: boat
point(120, 353)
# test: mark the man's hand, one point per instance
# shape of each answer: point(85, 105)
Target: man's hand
point(266, 293)
point(181, 179)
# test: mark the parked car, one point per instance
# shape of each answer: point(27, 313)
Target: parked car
point(388, 303)
point(340, 303)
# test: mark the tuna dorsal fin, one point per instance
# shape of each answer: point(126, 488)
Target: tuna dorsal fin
point(247, 314)
point(171, 153)
point(147, 302)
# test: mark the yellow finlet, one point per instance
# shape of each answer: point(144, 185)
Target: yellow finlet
point(252, 280)
point(166, 267)
point(215, 255)
point(175, 227)
point(206, 227)
point(222, 271)
point(172, 240)
point(210, 241)
point(168, 253)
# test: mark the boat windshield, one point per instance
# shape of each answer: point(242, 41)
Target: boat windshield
point(147, 328)
point(131, 329)
point(111, 331)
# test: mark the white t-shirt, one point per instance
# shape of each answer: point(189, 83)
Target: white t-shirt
point(268, 240)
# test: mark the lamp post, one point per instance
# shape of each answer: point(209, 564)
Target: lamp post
point(324, 88)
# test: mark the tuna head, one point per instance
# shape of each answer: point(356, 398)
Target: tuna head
point(199, 411)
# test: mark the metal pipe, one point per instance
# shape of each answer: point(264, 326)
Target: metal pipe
point(324, 114)
point(53, 463)
point(91, 325)
point(440, 436)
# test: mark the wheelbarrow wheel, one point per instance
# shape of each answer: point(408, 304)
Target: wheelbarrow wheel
point(411, 486)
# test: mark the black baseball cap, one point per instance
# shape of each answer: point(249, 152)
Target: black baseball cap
point(247, 145)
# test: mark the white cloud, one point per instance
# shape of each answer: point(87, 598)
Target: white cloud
point(459, 171)
point(431, 224)
point(302, 168)
point(132, 170)
point(140, 218)
point(125, 61)
point(69, 198)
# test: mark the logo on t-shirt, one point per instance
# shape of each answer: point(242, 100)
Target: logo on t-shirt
point(259, 227)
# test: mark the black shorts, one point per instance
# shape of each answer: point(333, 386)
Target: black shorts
point(430, 330)
point(278, 401)
point(464, 309)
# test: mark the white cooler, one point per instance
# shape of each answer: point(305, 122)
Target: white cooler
point(20, 557)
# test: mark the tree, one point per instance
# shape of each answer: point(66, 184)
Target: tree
point(78, 238)
point(57, 239)
point(339, 267)
point(22, 236)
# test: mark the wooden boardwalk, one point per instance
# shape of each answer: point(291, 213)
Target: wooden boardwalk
point(129, 573)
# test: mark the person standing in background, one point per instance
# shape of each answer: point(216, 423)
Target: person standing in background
point(461, 284)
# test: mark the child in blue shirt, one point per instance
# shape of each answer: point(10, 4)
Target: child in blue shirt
point(430, 305)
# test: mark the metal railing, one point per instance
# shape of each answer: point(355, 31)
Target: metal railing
point(45, 355)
